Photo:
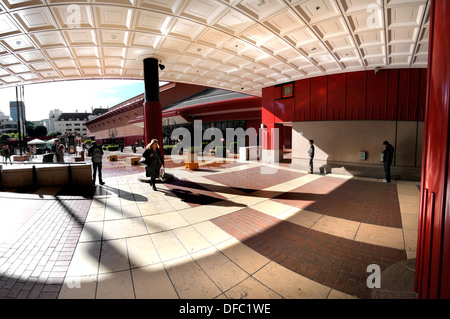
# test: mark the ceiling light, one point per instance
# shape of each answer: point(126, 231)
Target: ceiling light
point(162, 66)
point(260, 3)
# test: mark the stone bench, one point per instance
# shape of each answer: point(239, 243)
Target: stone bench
point(21, 158)
point(191, 161)
point(80, 158)
point(132, 160)
point(47, 176)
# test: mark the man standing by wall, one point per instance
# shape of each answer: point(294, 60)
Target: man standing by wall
point(311, 156)
point(96, 154)
point(388, 156)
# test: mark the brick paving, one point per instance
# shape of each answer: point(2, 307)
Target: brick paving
point(35, 258)
point(255, 178)
point(193, 193)
point(357, 200)
point(336, 262)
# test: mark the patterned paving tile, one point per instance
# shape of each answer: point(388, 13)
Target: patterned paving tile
point(357, 200)
point(35, 259)
point(254, 179)
point(336, 262)
point(193, 193)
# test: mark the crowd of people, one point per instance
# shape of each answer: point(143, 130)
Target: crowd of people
point(154, 163)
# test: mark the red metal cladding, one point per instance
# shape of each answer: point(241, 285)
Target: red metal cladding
point(376, 95)
point(284, 110)
point(403, 95)
point(302, 94)
point(414, 87)
point(433, 251)
point(392, 94)
point(422, 94)
point(336, 97)
point(268, 102)
point(319, 90)
point(356, 91)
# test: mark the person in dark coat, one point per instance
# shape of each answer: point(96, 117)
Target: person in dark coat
point(7, 154)
point(311, 156)
point(96, 154)
point(153, 161)
point(388, 156)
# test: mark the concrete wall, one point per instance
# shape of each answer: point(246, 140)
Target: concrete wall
point(46, 176)
point(338, 145)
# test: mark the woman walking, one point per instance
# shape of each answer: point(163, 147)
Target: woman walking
point(153, 161)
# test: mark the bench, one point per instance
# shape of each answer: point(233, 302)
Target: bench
point(112, 158)
point(21, 158)
point(47, 176)
point(191, 161)
point(80, 158)
point(132, 160)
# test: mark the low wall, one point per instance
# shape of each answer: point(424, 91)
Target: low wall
point(338, 145)
point(46, 176)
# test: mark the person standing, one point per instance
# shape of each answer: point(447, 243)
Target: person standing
point(96, 154)
point(60, 154)
point(311, 156)
point(7, 154)
point(388, 156)
point(153, 161)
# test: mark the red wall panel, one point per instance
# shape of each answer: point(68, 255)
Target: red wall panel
point(403, 95)
point(376, 95)
point(414, 94)
point(392, 94)
point(268, 102)
point(302, 94)
point(318, 98)
point(422, 94)
point(356, 96)
point(433, 248)
point(336, 97)
point(284, 110)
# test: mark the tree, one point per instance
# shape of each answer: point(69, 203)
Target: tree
point(39, 130)
point(4, 137)
point(54, 133)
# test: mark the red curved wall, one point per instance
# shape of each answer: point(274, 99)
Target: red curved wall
point(391, 94)
point(433, 246)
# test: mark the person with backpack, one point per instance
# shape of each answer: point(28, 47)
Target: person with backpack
point(96, 154)
point(7, 154)
point(388, 156)
point(153, 161)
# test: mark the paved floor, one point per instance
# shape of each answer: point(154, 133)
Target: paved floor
point(228, 230)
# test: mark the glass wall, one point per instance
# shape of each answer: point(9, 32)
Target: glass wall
point(221, 125)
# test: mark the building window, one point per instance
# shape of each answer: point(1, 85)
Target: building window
point(287, 90)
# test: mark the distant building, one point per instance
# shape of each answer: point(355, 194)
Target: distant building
point(97, 112)
point(6, 125)
point(52, 117)
point(72, 123)
point(13, 110)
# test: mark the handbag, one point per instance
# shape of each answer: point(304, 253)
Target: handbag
point(143, 160)
point(162, 173)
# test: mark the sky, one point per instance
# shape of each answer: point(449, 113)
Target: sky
point(70, 96)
